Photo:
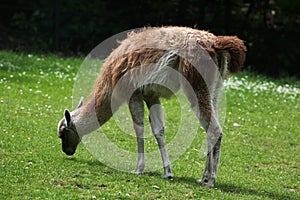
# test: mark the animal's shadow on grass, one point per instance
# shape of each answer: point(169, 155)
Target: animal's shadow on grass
point(224, 187)
point(234, 189)
point(95, 163)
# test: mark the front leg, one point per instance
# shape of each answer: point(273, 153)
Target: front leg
point(139, 130)
point(156, 118)
point(164, 155)
point(136, 107)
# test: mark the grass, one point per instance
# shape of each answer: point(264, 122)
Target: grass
point(260, 154)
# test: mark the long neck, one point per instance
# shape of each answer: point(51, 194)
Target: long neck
point(94, 113)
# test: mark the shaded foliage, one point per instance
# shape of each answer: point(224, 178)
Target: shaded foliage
point(269, 27)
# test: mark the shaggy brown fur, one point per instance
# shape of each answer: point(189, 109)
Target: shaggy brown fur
point(235, 48)
point(186, 50)
point(149, 45)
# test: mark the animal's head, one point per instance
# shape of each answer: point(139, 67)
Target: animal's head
point(67, 132)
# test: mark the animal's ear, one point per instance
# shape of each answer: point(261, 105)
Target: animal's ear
point(68, 117)
point(80, 103)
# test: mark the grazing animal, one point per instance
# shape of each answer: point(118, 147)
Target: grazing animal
point(178, 48)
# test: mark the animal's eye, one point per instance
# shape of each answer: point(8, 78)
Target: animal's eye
point(61, 132)
point(60, 135)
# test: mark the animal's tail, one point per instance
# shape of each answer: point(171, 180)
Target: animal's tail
point(236, 49)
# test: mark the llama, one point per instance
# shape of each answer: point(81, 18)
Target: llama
point(179, 49)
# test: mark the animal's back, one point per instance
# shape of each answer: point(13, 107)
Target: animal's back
point(152, 45)
point(190, 48)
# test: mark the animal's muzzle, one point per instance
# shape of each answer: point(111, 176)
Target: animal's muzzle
point(69, 151)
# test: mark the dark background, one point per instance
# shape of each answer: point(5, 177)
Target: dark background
point(271, 28)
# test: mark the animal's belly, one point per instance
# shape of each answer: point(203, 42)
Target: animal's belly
point(155, 90)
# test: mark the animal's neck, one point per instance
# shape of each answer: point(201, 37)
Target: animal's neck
point(94, 113)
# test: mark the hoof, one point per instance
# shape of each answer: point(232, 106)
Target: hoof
point(209, 183)
point(167, 172)
point(168, 175)
point(139, 172)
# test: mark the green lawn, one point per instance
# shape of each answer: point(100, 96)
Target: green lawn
point(260, 153)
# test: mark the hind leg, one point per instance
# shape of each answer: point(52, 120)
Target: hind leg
point(136, 107)
point(212, 162)
point(156, 118)
point(214, 138)
point(214, 132)
point(204, 110)
point(202, 92)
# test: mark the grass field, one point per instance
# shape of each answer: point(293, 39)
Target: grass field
point(260, 154)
